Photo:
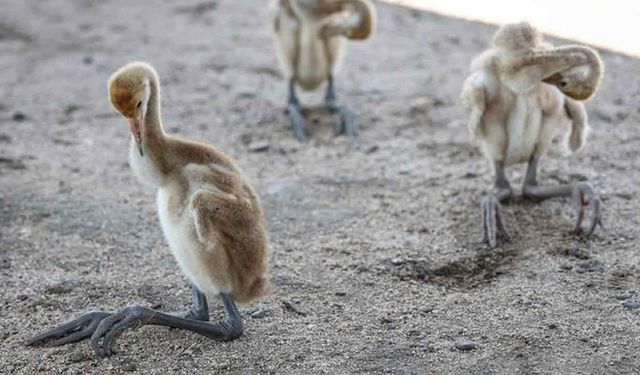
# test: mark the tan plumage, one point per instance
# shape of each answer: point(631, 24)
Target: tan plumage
point(520, 92)
point(210, 215)
point(522, 89)
point(311, 33)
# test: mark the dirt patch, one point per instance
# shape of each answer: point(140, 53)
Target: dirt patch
point(374, 253)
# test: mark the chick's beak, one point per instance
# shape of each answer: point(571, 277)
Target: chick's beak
point(554, 79)
point(136, 131)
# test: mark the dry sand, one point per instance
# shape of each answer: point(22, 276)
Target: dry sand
point(374, 253)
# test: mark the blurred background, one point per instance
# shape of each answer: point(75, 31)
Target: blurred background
point(612, 24)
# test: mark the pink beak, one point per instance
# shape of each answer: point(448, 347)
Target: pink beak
point(136, 132)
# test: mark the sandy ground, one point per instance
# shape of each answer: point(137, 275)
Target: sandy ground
point(374, 253)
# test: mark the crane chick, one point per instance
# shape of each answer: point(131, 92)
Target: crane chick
point(209, 214)
point(310, 36)
point(520, 92)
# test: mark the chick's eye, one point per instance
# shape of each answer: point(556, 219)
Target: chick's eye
point(563, 83)
point(139, 104)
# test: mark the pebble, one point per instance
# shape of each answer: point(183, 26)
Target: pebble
point(62, 287)
point(631, 303)
point(12, 163)
point(465, 345)
point(5, 264)
point(593, 266)
point(259, 146)
point(259, 313)
point(76, 357)
point(341, 293)
point(369, 148)
point(290, 307)
point(18, 116)
point(405, 170)
point(130, 367)
point(397, 261)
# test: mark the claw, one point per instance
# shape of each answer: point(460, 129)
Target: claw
point(105, 336)
point(585, 196)
point(74, 330)
point(348, 122)
point(493, 222)
point(296, 121)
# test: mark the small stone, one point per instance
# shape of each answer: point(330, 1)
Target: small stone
point(76, 357)
point(341, 293)
point(622, 297)
point(5, 264)
point(259, 146)
point(397, 261)
point(292, 308)
point(405, 170)
point(258, 313)
point(632, 303)
point(553, 326)
point(566, 267)
point(246, 138)
point(87, 60)
point(130, 367)
point(419, 106)
point(62, 287)
point(369, 148)
point(386, 320)
point(593, 266)
point(465, 345)
point(70, 109)
point(577, 253)
point(18, 116)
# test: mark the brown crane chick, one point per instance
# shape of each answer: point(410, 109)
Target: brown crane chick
point(209, 214)
point(520, 92)
point(310, 36)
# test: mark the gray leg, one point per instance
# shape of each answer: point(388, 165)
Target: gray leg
point(104, 327)
point(582, 194)
point(347, 124)
point(294, 111)
point(74, 330)
point(105, 336)
point(493, 223)
point(199, 307)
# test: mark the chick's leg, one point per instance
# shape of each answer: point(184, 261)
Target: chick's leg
point(493, 223)
point(347, 123)
point(582, 194)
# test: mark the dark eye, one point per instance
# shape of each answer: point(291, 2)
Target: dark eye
point(563, 83)
point(139, 104)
